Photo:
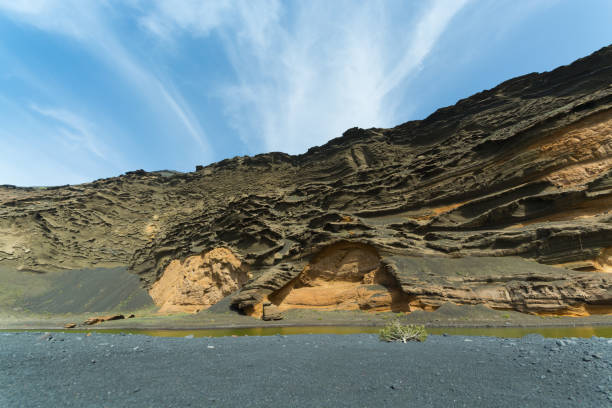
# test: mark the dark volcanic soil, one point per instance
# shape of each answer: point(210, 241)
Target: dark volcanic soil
point(68, 370)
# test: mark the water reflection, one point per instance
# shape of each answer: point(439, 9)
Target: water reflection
point(586, 331)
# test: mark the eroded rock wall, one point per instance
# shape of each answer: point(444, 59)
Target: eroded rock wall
point(343, 276)
point(520, 170)
point(199, 281)
point(353, 276)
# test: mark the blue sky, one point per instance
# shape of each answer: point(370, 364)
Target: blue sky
point(92, 89)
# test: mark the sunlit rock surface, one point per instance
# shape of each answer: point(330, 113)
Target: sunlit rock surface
point(503, 199)
point(198, 282)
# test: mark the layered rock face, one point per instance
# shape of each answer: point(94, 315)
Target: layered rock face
point(469, 205)
point(348, 276)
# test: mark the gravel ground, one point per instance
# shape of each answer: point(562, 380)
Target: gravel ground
point(102, 370)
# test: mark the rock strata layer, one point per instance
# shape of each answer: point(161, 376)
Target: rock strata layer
point(502, 199)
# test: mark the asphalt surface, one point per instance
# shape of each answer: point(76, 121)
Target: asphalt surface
point(102, 370)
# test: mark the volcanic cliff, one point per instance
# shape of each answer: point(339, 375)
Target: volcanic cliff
point(502, 199)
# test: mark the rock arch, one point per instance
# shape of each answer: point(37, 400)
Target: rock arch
point(343, 276)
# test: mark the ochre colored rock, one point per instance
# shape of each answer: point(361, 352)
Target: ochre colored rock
point(425, 283)
point(69, 325)
point(199, 281)
point(603, 262)
point(344, 276)
point(100, 319)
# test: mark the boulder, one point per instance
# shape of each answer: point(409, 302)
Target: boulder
point(271, 312)
point(100, 319)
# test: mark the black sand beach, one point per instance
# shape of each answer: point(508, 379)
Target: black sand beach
point(102, 370)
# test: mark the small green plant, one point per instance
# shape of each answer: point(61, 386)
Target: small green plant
point(398, 332)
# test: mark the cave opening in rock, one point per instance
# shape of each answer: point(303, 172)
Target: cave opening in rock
point(343, 276)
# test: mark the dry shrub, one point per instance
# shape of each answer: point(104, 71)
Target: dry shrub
point(395, 331)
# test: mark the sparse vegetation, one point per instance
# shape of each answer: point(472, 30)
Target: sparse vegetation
point(395, 331)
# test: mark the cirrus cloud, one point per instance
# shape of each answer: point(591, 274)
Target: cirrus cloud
point(307, 73)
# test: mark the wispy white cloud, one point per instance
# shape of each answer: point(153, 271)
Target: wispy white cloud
point(308, 72)
point(45, 145)
point(423, 39)
point(76, 130)
point(36, 168)
point(183, 112)
point(87, 22)
point(199, 17)
point(305, 71)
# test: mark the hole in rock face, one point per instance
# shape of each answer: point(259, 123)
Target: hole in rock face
point(604, 260)
point(343, 276)
point(198, 282)
point(602, 263)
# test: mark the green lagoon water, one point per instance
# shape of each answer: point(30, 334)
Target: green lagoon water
point(555, 332)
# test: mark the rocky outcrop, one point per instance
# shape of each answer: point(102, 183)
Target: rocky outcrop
point(343, 276)
point(507, 283)
point(521, 170)
point(271, 312)
point(198, 282)
point(351, 276)
point(99, 319)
